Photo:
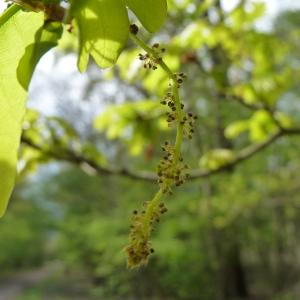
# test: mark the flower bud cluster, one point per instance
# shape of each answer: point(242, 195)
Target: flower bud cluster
point(170, 102)
point(180, 78)
point(170, 171)
point(188, 122)
point(150, 60)
point(139, 249)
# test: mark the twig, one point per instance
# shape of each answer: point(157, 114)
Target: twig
point(69, 155)
point(79, 159)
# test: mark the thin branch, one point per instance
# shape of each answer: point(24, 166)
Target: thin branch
point(54, 12)
point(241, 100)
point(71, 156)
point(243, 155)
point(273, 116)
point(246, 153)
point(291, 131)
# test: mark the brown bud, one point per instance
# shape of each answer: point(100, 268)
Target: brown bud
point(134, 29)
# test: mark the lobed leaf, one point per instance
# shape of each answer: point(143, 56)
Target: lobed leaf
point(23, 40)
point(151, 13)
point(103, 30)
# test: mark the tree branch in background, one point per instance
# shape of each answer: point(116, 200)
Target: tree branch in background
point(252, 106)
point(69, 155)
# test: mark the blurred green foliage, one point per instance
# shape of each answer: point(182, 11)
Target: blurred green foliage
point(24, 234)
point(136, 123)
point(226, 237)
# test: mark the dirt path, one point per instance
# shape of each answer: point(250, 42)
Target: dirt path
point(12, 287)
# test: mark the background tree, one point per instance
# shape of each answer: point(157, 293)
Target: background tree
point(235, 233)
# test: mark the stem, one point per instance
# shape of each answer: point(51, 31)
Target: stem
point(179, 133)
point(29, 5)
point(53, 12)
point(172, 77)
point(149, 50)
point(153, 204)
point(150, 210)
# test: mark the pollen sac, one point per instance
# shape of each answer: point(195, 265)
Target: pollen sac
point(180, 77)
point(134, 29)
point(138, 254)
point(143, 224)
point(150, 60)
point(181, 173)
point(165, 169)
point(168, 100)
point(171, 119)
point(171, 171)
point(188, 123)
point(139, 247)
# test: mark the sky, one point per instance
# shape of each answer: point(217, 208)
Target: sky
point(273, 6)
point(67, 67)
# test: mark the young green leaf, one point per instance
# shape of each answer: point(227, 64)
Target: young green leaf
point(103, 30)
point(23, 40)
point(151, 13)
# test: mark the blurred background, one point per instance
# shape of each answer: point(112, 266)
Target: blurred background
point(232, 235)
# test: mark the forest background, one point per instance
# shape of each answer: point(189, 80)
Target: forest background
point(230, 233)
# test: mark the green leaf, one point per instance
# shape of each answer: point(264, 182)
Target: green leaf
point(216, 158)
point(103, 30)
point(236, 128)
point(135, 123)
point(23, 40)
point(151, 13)
point(261, 126)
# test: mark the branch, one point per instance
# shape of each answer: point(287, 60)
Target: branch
point(243, 155)
point(272, 113)
point(54, 12)
point(241, 100)
point(71, 156)
point(169, 169)
point(246, 153)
